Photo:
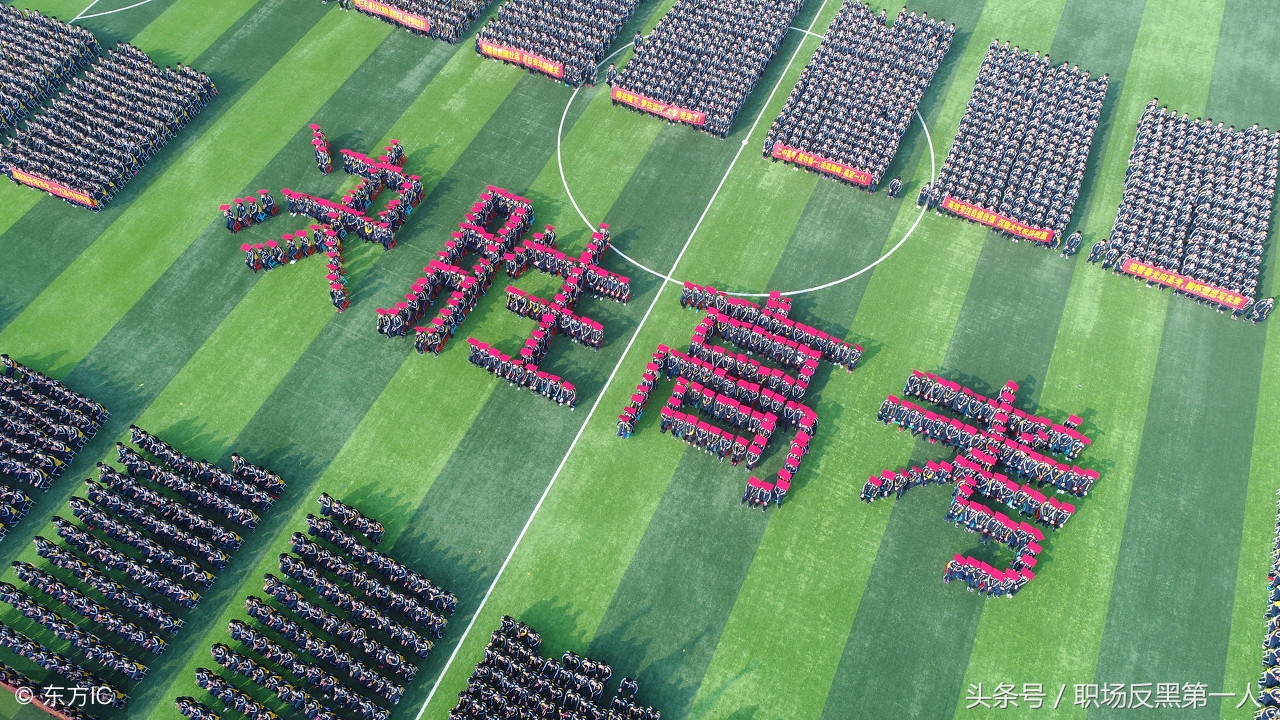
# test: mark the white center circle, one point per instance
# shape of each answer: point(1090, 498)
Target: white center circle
point(933, 169)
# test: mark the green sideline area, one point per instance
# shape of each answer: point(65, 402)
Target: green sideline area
point(636, 551)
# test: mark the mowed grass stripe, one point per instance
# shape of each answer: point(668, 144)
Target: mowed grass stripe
point(118, 372)
point(1187, 507)
point(670, 629)
point(810, 541)
point(1073, 585)
point(636, 215)
point(660, 215)
point(156, 228)
point(1258, 534)
point(173, 410)
point(907, 625)
point(446, 424)
point(758, 207)
point(308, 391)
point(58, 232)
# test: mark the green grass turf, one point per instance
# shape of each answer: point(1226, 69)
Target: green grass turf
point(638, 553)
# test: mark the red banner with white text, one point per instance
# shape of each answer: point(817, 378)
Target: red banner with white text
point(394, 14)
point(984, 216)
point(661, 109)
point(821, 164)
point(52, 187)
point(521, 57)
point(1168, 278)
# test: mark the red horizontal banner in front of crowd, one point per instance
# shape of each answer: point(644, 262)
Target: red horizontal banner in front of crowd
point(521, 57)
point(1168, 278)
point(50, 186)
point(649, 105)
point(984, 216)
point(391, 12)
point(821, 164)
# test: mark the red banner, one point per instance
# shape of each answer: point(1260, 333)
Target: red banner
point(52, 187)
point(1168, 278)
point(984, 216)
point(821, 164)
point(394, 14)
point(661, 109)
point(521, 57)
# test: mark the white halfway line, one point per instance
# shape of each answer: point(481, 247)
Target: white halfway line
point(111, 12)
point(635, 335)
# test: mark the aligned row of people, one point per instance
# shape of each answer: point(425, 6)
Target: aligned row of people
point(967, 474)
point(385, 565)
point(43, 424)
point(351, 518)
point(1022, 459)
point(1024, 138)
point(249, 210)
point(326, 686)
point(104, 556)
point(521, 374)
point(447, 20)
point(287, 692)
point(324, 159)
point(574, 35)
point(228, 695)
point(708, 55)
point(135, 605)
point(60, 665)
point(108, 124)
point(1269, 682)
point(200, 497)
point(350, 573)
point(515, 681)
point(85, 643)
point(1197, 202)
point(349, 664)
point(773, 317)
point(41, 54)
point(207, 552)
point(984, 579)
point(330, 686)
point(998, 414)
point(337, 594)
point(256, 487)
point(856, 98)
point(56, 705)
point(151, 551)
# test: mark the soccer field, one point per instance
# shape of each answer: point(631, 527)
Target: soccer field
point(634, 551)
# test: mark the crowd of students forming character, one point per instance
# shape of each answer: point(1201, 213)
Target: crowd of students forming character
point(740, 390)
point(336, 220)
point(1008, 437)
point(41, 54)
